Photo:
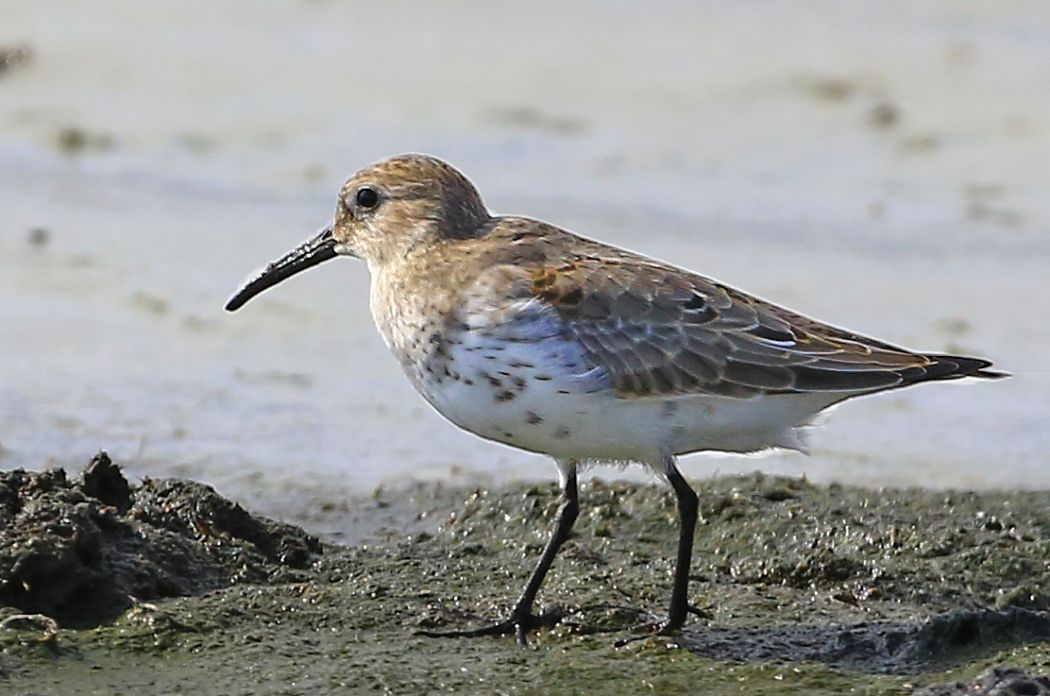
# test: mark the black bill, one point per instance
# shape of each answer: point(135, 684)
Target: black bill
point(308, 254)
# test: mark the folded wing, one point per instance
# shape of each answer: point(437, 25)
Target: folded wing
point(656, 330)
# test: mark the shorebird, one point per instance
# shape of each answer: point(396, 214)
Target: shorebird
point(529, 335)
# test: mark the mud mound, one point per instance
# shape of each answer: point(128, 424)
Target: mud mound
point(82, 551)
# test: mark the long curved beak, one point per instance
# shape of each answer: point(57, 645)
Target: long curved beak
point(318, 249)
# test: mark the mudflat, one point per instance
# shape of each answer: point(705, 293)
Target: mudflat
point(110, 587)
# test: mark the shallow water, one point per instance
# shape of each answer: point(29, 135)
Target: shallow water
point(881, 167)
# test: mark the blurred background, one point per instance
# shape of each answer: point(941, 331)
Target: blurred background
point(881, 166)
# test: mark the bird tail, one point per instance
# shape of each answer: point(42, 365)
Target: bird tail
point(955, 367)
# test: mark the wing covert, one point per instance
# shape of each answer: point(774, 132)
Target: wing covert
point(658, 331)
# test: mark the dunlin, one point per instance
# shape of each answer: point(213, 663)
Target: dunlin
point(523, 333)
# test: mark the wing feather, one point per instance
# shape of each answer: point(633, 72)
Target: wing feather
point(658, 330)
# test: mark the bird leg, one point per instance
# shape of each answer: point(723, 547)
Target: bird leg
point(521, 619)
point(688, 510)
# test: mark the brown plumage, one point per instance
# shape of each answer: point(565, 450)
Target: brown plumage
point(661, 330)
point(527, 334)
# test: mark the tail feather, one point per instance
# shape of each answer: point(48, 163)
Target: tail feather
point(952, 367)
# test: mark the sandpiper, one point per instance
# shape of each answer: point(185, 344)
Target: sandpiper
point(529, 335)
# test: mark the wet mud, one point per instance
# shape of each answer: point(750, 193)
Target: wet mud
point(1008, 681)
point(82, 551)
point(110, 587)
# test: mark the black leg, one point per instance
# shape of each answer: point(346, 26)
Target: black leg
point(567, 513)
point(521, 619)
point(688, 511)
point(688, 506)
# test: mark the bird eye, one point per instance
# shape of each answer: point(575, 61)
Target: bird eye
point(367, 198)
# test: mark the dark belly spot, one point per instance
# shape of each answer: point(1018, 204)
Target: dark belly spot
point(561, 433)
point(533, 418)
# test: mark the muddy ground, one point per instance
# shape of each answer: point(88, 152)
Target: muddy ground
point(167, 587)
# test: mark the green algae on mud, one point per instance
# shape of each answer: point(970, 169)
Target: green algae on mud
point(801, 588)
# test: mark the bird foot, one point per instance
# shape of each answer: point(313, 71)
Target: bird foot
point(518, 624)
point(653, 629)
point(660, 628)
